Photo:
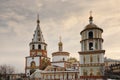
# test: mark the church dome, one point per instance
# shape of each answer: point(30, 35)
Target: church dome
point(91, 25)
point(60, 43)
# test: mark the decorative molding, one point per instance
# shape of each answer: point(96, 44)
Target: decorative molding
point(92, 65)
point(93, 52)
point(60, 53)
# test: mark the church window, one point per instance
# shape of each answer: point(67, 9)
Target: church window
point(90, 34)
point(39, 46)
point(38, 39)
point(91, 72)
point(90, 46)
point(33, 46)
point(96, 45)
point(98, 58)
point(91, 59)
point(38, 34)
point(85, 72)
point(63, 59)
point(84, 59)
point(98, 72)
point(45, 47)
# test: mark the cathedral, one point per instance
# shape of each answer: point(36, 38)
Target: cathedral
point(91, 62)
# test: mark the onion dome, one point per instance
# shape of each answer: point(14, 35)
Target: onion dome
point(91, 25)
point(60, 43)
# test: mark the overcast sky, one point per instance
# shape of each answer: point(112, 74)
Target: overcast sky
point(66, 18)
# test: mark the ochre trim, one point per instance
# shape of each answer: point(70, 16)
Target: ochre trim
point(92, 77)
point(60, 62)
point(91, 29)
point(38, 43)
point(36, 67)
point(60, 53)
point(92, 64)
point(44, 52)
point(93, 52)
point(92, 39)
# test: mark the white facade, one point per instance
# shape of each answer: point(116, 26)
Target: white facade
point(35, 59)
point(60, 58)
point(60, 64)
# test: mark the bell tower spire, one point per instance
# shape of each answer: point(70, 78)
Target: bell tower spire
point(60, 45)
point(38, 51)
point(38, 21)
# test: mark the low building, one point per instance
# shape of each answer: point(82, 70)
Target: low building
point(55, 73)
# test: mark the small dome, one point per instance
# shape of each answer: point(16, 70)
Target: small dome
point(89, 26)
point(60, 43)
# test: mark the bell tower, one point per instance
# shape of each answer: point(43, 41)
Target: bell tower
point(92, 53)
point(38, 52)
point(38, 45)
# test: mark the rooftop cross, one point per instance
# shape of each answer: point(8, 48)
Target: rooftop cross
point(38, 21)
point(90, 18)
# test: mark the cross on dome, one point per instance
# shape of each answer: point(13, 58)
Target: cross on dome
point(90, 13)
point(38, 21)
point(91, 18)
point(60, 45)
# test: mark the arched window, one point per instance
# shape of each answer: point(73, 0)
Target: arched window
point(38, 39)
point(33, 46)
point(39, 46)
point(90, 34)
point(85, 72)
point(90, 46)
point(98, 73)
point(91, 72)
point(63, 59)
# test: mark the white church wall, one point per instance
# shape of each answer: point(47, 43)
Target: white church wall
point(58, 64)
point(30, 59)
point(88, 69)
point(60, 58)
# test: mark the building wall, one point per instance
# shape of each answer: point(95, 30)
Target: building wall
point(59, 58)
point(35, 59)
point(60, 75)
point(61, 64)
point(94, 71)
point(87, 57)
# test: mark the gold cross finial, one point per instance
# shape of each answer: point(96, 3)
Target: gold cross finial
point(90, 13)
point(60, 38)
point(38, 19)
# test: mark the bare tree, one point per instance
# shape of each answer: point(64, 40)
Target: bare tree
point(6, 69)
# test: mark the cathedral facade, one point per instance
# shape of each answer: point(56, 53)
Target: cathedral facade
point(91, 63)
